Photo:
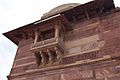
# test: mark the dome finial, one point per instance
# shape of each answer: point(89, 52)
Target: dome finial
point(59, 9)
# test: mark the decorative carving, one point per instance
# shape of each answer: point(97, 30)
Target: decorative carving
point(112, 51)
point(87, 47)
point(44, 58)
point(59, 54)
point(38, 58)
point(104, 72)
point(49, 49)
point(51, 56)
point(48, 57)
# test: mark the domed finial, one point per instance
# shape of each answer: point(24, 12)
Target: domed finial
point(60, 9)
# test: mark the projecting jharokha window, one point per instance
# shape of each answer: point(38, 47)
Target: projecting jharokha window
point(44, 35)
point(48, 45)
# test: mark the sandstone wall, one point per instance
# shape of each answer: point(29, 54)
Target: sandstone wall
point(92, 51)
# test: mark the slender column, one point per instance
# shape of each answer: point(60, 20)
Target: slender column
point(56, 32)
point(59, 54)
point(51, 57)
point(36, 36)
point(43, 60)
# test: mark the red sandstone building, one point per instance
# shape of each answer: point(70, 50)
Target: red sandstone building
point(70, 42)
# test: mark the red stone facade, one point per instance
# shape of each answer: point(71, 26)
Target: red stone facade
point(92, 52)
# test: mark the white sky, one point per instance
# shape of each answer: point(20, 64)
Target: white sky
point(16, 13)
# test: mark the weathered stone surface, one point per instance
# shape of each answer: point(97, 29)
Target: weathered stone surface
point(92, 52)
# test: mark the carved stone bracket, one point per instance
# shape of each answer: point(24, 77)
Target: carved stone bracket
point(48, 45)
point(59, 54)
point(48, 56)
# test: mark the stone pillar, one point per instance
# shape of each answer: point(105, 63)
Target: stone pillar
point(51, 57)
point(36, 37)
point(57, 32)
point(44, 58)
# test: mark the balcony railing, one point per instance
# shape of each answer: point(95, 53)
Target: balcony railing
point(47, 44)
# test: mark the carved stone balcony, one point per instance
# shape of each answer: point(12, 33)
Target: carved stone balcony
point(48, 51)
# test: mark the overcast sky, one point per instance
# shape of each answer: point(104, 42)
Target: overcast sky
point(16, 13)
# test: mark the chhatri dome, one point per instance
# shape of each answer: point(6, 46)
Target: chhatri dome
point(59, 9)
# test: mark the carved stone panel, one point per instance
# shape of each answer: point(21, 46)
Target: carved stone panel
point(84, 45)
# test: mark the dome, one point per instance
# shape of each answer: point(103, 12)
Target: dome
point(59, 9)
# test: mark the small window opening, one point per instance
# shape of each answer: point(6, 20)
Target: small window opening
point(44, 35)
